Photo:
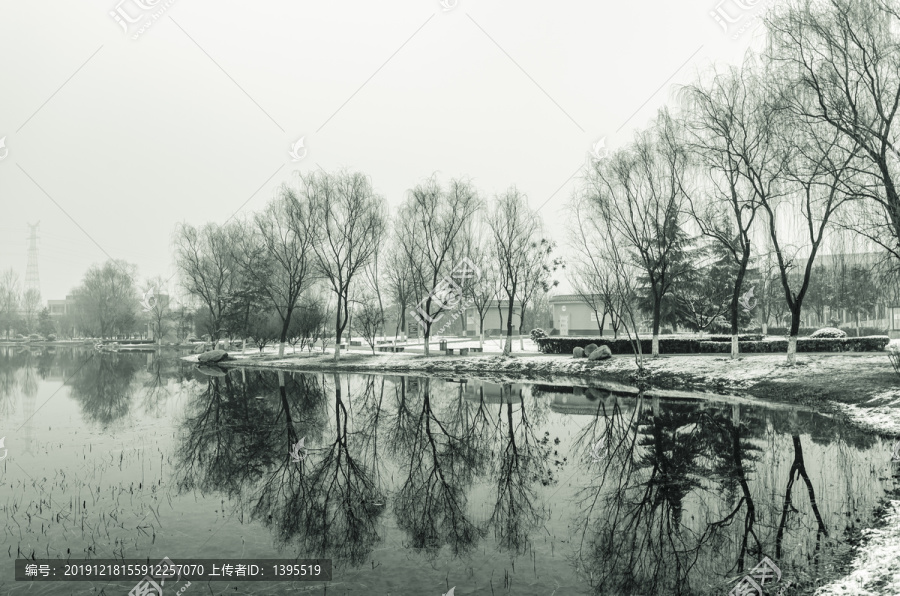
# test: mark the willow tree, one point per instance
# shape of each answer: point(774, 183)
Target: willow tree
point(734, 145)
point(519, 251)
point(640, 191)
point(348, 220)
point(209, 270)
point(431, 229)
point(843, 57)
point(276, 251)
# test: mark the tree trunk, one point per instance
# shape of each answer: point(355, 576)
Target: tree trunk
point(337, 333)
point(481, 333)
point(507, 346)
point(654, 351)
point(765, 327)
point(792, 339)
point(857, 323)
point(284, 331)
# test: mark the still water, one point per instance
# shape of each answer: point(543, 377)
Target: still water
point(415, 485)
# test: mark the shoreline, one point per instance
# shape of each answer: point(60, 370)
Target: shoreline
point(838, 383)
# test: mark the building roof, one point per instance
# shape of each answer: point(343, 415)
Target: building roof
point(569, 298)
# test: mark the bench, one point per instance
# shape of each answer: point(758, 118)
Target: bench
point(391, 348)
point(464, 351)
point(355, 343)
point(475, 349)
point(448, 351)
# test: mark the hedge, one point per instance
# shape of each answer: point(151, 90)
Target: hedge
point(848, 327)
point(677, 345)
point(747, 337)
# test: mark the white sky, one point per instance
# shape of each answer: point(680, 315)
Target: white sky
point(112, 140)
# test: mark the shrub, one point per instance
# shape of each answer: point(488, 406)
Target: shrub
point(52, 337)
point(678, 345)
point(829, 332)
point(589, 348)
point(537, 334)
point(34, 337)
point(578, 352)
point(894, 356)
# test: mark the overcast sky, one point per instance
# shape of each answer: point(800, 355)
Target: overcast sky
point(111, 140)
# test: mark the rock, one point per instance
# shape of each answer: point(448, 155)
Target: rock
point(588, 349)
point(213, 356)
point(578, 353)
point(601, 353)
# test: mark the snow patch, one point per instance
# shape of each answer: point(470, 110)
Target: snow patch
point(876, 569)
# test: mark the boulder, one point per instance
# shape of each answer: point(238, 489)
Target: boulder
point(578, 353)
point(588, 349)
point(213, 356)
point(601, 353)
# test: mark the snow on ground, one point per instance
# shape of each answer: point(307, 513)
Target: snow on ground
point(883, 418)
point(876, 569)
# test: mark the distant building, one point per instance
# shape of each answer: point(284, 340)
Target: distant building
point(572, 315)
point(61, 308)
point(494, 319)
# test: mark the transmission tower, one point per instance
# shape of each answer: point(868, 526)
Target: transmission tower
point(32, 279)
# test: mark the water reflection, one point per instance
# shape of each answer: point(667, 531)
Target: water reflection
point(503, 478)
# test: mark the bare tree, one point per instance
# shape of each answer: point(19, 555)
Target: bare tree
point(348, 220)
point(734, 144)
point(537, 276)
point(9, 300)
point(208, 269)
point(159, 313)
point(31, 305)
point(485, 291)
point(277, 254)
point(843, 57)
point(640, 191)
point(592, 275)
point(107, 298)
point(516, 232)
point(369, 318)
point(819, 172)
point(374, 275)
point(431, 228)
point(398, 276)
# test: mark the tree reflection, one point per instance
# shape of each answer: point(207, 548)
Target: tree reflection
point(522, 460)
point(798, 470)
point(104, 386)
point(229, 439)
point(328, 503)
point(430, 505)
point(635, 538)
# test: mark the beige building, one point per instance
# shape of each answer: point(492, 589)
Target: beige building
point(572, 315)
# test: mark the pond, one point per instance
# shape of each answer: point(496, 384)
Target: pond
point(414, 485)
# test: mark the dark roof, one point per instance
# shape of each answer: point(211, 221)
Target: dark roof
point(569, 298)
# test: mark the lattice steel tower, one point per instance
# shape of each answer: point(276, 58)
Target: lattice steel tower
point(32, 279)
